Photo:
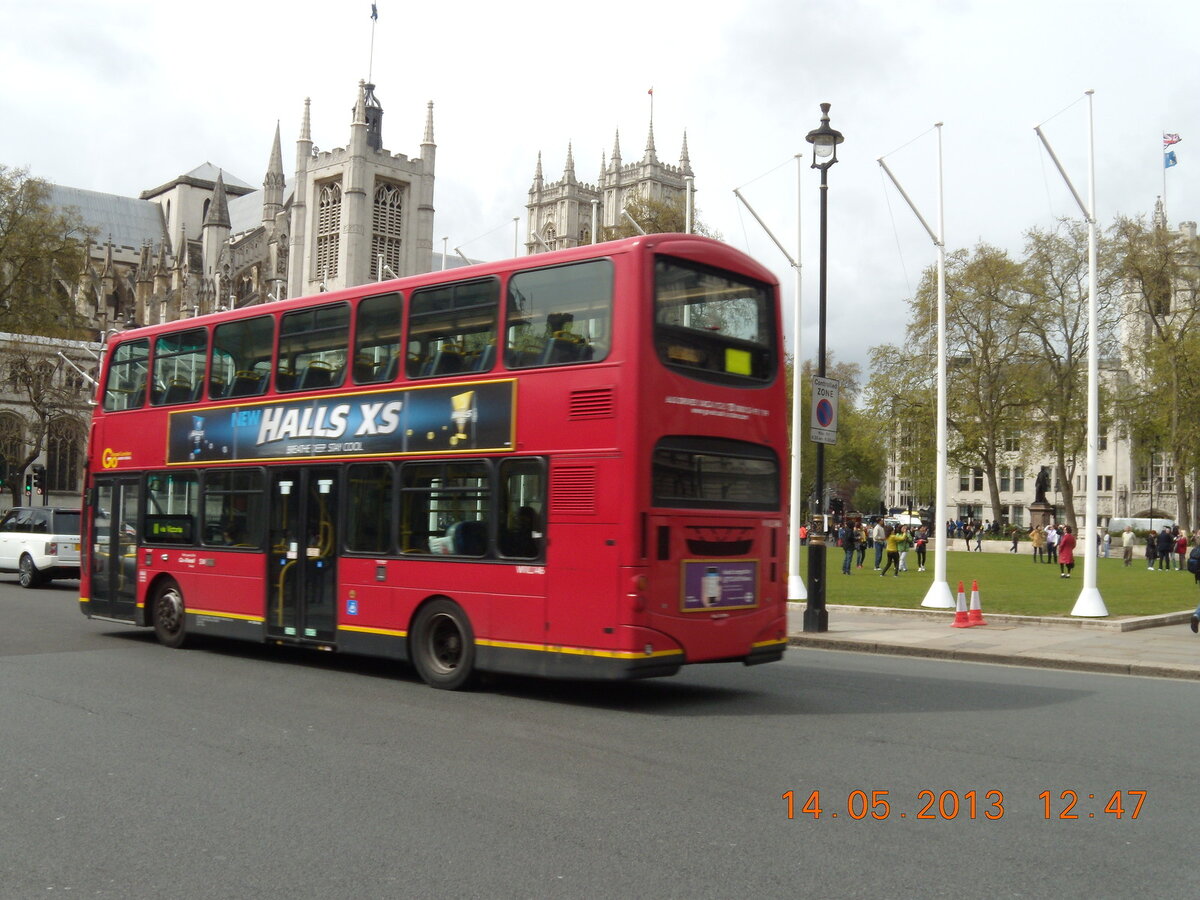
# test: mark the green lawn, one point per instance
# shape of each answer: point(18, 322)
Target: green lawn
point(1012, 584)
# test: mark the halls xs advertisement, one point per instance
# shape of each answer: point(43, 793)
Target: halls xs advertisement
point(466, 417)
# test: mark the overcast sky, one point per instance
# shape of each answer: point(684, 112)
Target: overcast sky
point(124, 95)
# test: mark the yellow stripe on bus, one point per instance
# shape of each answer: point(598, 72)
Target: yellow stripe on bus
point(389, 632)
point(581, 651)
point(225, 615)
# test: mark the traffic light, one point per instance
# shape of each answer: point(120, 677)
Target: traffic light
point(39, 479)
point(28, 485)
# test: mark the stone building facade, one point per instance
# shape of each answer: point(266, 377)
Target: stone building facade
point(569, 212)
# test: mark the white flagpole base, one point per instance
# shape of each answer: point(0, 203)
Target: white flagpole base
point(938, 596)
point(1090, 603)
point(795, 589)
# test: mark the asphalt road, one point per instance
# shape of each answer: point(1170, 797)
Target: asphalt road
point(233, 770)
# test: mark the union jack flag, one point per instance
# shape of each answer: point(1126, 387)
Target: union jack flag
point(1169, 139)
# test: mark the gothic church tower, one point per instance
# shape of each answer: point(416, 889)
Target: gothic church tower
point(560, 213)
point(360, 211)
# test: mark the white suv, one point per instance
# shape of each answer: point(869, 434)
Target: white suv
point(40, 543)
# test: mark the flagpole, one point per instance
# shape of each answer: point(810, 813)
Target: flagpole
point(371, 55)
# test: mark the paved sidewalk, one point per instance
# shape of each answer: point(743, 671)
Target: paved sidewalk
point(1158, 646)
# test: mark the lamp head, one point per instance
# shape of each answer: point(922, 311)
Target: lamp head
point(824, 141)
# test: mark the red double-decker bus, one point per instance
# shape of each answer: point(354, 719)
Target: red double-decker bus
point(567, 464)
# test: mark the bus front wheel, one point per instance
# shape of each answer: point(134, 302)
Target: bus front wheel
point(170, 623)
point(443, 645)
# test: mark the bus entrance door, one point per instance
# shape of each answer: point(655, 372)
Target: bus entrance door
point(112, 562)
point(302, 555)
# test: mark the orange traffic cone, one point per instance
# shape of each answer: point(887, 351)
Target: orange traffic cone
point(960, 614)
point(975, 615)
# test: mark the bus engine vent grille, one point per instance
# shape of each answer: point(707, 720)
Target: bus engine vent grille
point(594, 403)
point(573, 490)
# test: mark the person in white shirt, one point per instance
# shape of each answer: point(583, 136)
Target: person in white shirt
point(1051, 543)
point(1128, 539)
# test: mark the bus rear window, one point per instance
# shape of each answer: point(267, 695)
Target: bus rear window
point(714, 473)
point(713, 325)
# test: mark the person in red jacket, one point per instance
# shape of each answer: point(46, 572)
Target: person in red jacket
point(1066, 552)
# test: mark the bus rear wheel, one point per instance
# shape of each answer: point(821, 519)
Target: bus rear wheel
point(170, 622)
point(443, 645)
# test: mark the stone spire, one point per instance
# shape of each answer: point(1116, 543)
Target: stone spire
point(569, 171)
point(218, 209)
point(274, 181)
point(651, 154)
point(215, 230)
point(360, 105)
point(685, 162)
point(615, 161)
point(538, 181)
point(428, 139)
point(305, 128)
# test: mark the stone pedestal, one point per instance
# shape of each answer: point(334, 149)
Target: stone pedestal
point(1040, 514)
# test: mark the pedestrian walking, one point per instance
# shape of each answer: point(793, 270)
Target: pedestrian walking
point(1037, 538)
point(1016, 535)
point(1181, 547)
point(864, 537)
point(1151, 549)
point(967, 534)
point(921, 543)
point(902, 545)
point(1166, 549)
point(892, 542)
point(1066, 553)
point(1128, 539)
point(849, 538)
point(979, 540)
point(878, 535)
point(1051, 544)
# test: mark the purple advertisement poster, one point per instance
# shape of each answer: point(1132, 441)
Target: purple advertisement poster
point(719, 584)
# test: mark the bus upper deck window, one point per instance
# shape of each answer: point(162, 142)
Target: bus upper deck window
point(127, 375)
point(713, 325)
point(559, 316)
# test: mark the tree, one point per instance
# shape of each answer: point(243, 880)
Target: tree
point(1053, 311)
point(657, 217)
point(41, 254)
point(857, 459)
point(1160, 280)
point(50, 394)
point(988, 384)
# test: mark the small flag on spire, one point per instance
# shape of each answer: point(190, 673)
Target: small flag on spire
point(650, 92)
point(374, 13)
point(1169, 139)
point(1169, 159)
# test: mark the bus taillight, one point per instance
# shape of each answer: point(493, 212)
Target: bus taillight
point(637, 591)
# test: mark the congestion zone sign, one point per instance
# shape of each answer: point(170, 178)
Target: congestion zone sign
point(823, 422)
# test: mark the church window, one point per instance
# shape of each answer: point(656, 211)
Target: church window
point(329, 227)
point(386, 221)
point(12, 441)
point(64, 455)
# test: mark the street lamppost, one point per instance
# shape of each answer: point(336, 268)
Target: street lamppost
point(824, 140)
